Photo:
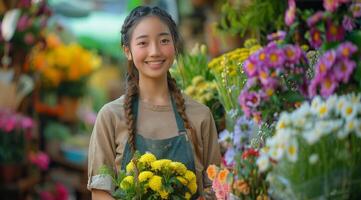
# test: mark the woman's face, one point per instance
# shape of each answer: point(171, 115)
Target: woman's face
point(151, 48)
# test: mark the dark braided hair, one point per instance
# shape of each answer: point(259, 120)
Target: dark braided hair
point(132, 78)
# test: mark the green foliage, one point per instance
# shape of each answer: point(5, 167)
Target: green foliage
point(256, 16)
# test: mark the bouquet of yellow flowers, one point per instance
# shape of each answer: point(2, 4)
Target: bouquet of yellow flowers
point(146, 177)
point(63, 66)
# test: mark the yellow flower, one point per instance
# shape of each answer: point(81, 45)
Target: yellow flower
point(197, 80)
point(179, 167)
point(127, 182)
point(182, 180)
point(155, 183)
point(145, 175)
point(130, 167)
point(193, 187)
point(147, 158)
point(190, 176)
point(163, 194)
point(187, 195)
point(159, 164)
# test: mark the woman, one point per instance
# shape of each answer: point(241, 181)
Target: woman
point(153, 115)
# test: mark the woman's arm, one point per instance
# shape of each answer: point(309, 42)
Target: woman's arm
point(101, 195)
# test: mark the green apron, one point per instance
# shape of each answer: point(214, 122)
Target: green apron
point(177, 148)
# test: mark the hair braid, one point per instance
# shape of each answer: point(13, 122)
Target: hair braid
point(181, 108)
point(130, 94)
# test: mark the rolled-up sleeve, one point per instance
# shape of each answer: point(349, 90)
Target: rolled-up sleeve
point(102, 150)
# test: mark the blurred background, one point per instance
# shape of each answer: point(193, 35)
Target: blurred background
point(61, 61)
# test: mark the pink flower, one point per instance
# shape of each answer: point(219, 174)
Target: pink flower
point(290, 13)
point(292, 53)
point(328, 85)
point(250, 99)
point(275, 57)
point(250, 68)
point(40, 159)
point(279, 35)
point(311, 21)
point(27, 123)
point(61, 191)
point(23, 23)
point(331, 5)
point(346, 49)
point(325, 63)
point(10, 124)
point(356, 9)
point(343, 70)
point(334, 32)
point(348, 23)
point(312, 88)
point(46, 195)
point(316, 39)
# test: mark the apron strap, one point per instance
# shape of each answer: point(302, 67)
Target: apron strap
point(178, 118)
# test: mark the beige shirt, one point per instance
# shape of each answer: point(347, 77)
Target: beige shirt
point(110, 136)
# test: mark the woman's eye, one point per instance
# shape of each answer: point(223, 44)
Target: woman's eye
point(165, 41)
point(141, 43)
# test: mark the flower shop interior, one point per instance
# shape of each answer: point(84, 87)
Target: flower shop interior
point(282, 80)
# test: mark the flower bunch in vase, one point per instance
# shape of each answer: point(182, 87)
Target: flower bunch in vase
point(147, 177)
point(316, 152)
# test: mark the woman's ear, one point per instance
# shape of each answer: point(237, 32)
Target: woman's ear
point(127, 52)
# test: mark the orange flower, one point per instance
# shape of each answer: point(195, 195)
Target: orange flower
point(241, 186)
point(222, 176)
point(212, 172)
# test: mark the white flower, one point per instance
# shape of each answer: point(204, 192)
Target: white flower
point(277, 151)
point(323, 110)
point(332, 101)
point(312, 136)
point(283, 121)
point(263, 162)
point(316, 101)
point(292, 150)
point(340, 104)
point(328, 126)
point(349, 110)
point(313, 159)
point(354, 98)
point(350, 126)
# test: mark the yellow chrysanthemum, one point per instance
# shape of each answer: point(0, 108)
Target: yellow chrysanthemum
point(190, 176)
point(143, 176)
point(163, 194)
point(159, 164)
point(147, 158)
point(179, 167)
point(130, 167)
point(155, 183)
point(193, 187)
point(187, 195)
point(127, 182)
point(182, 180)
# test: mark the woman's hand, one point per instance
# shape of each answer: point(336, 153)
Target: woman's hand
point(101, 195)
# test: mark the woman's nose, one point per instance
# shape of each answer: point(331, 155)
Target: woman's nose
point(154, 49)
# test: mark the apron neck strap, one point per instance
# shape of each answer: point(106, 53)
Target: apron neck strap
point(179, 120)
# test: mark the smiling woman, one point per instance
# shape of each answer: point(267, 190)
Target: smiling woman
point(153, 115)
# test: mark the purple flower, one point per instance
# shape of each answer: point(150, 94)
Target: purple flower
point(275, 57)
point(334, 32)
point(325, 63)
point(250, 68)
point(250, 99)
point(279, 35)
point(348, 23)
point(292, 53)
point(316, 39)
point(343, 70)
point(331, 5)
point(23, 23)
point(243, 131)
point(229, 156)
point(328, 85)
point(259, 57)
point(356, 9)
point(251, 82)
point(290, 13)
point(311, 21)
point(312, 88)
point(346, 49)
point(27, 123)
